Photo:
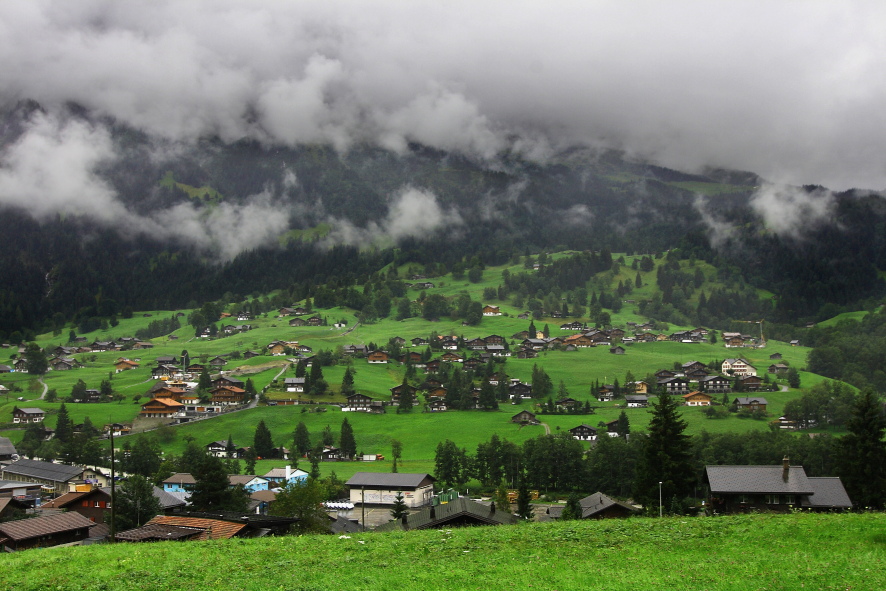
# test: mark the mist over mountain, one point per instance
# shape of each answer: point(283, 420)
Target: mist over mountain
point(151, 155)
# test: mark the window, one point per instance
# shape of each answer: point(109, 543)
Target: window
point(772, 499)
point(790, 499)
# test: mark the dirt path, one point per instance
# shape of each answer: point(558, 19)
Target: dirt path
point(547, 428)
point(45, 388)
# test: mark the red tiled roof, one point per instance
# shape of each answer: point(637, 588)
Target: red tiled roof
point(215, 529)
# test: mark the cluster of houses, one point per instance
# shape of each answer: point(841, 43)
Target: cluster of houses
point(178, 400)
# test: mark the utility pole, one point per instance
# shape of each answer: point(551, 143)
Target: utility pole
point(660, 509)
point(113, 488)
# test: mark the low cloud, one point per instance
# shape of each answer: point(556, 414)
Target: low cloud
point(791, 211)
point(719, 232)
point(412, 212)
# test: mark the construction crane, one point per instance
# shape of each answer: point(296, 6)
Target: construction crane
point(760, 322)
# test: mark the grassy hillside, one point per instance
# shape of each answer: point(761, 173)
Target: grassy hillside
point(729, 553)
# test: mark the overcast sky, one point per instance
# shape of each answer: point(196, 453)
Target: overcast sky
point(795, 91)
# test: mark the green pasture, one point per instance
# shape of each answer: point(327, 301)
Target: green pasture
point(728, 553)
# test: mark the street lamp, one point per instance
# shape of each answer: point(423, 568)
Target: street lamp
point(660, 510)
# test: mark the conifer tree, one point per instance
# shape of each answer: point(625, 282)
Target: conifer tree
point(347, 443)
point(301, 439)
point(863, 468)
point(666, 456)
point(347, 382)
point(399, 508)
point(524, 501)
point(64, 428)
point(262, 441)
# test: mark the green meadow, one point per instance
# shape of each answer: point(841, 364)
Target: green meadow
point(735, 553)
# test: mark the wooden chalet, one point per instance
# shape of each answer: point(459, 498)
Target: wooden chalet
point(715, 384)
point(161, 408)
point(27, 415)
point(583, 433)
point(524, 417)
point(750, 403)
point(750, 383)
point(377, 357)
point(697, 399)
point(44, 532)
point(228, 396)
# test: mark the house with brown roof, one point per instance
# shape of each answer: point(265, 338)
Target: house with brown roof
point(491, 311)
point(161, 408)
point(750, 403)
point(27, 415)
point(524, 417)
point(124, 364)
point(697, 399)
point(181, 528)
point(44, 532)
point(459, 512)
point(599, 506)
point(377, 357)
point(228, 396)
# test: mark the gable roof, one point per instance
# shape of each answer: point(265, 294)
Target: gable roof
point(598, 502)
point(24, 529)
point(758, 480)
point(180, 478)
point(214, 529)
point(460, 509)
point(6, 447)
point(388, 479)
point(43, 470)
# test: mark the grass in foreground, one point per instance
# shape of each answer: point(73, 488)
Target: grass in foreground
point(735, 553)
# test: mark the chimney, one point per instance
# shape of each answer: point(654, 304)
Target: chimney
point(288, 473)
point(785, 468)
point(492, 508)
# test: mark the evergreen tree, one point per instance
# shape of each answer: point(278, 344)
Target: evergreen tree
point(524, 501)
point(793, 377)
point(135, 503)
point(326, 436)
point(250, 388)
point(399, 508)
point(212, 491)
point(262, 441)
point(863, 469)
point(572, 510)
point(78, 391)
point(396, 453)
point(347, 443)
point(533, 332)
point(488, 400)
point(204, 384)
point(546, 331)
point(64, 427)
point(500, 498)
point(624, 425)
point(301, 439)
point(666, 456)
point(35, 360)
point(251, 457)
point(451, 465)
point(314, 456)
point(347, 382)
point(303, 499)
point(406, 397)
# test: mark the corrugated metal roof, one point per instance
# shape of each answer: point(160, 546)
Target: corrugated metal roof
point(43, 470)
point(758, 480)
point(390, 480)
point(24, 529)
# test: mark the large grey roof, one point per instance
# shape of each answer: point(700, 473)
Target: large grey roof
point(829, 493)
point(597, 502)
point(6, 447)
point(749, 399)
point(388, 479)
point(455, 510)
point(758, 480)
point(44, 470)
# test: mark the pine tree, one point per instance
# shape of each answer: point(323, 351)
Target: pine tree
point(406, 397)
point(487, 398)
point(347, 382)
point(135, 503)
point(326, 436)
point(347, 443)
point(35, 360)
point(624, 425)
point(205, 382)
point(524, 501)
point(572, 510)
point(666, 456)
point(532, 330)
point(301, 439)
point(64, 427)
point(863, 469)
point(399, 508)
point(263, 441)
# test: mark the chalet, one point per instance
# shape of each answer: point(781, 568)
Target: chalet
point(286, 475)
point(617, 350)
point(219, 449)
point(44, 531)
point(285, 311)
point(218, 361)
point(27, 415)
point(124, 364)
point(182, 528)
point(100, 346)
point(524, 417)
point(227, 381)
point(167, 360)
point(606, 393)
point(491, 311)
point(7, 450)
point(315, 321)
point(179, 482)
point(143, 345)
point(397, 390)
point(795, 343)
point(674, 385)
point(692, 366)
point(520, 390)
point(171, 392)
point(5, 369)
point(331, 454)
point(423, 285)
point(297, 322)
point(381, 488)
point(437, 392)
point(640, 387)
point(62, 364)
point(432, 366)
point(696, 374)
point(250, 354)
point(750, 403)
point(599, 506)
point(697, 399)
point(228, 396)
point(459, 512)
point(612, 428)
point(450, 357)
point(164, 371)
point(117, 429)
point(636, 401)
point(663, 374)
point(738, 367)
point(473, 363)
point(20, 365)
point(362, 403)
point(645, 337)
point(450, 344)
point(742, 489)
point(583, 433)
point(750, 383)
point(569, 403)
point(355, 349)
point(161, 408)
point(477, 344)
point(294, 384)
point(716, 384)
point(94, 504)
point(420, 342)
point(377, 357)
point(526, 353)
point(573, 326)
point(778, 368)
point(437, 405)
point(775, 357)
